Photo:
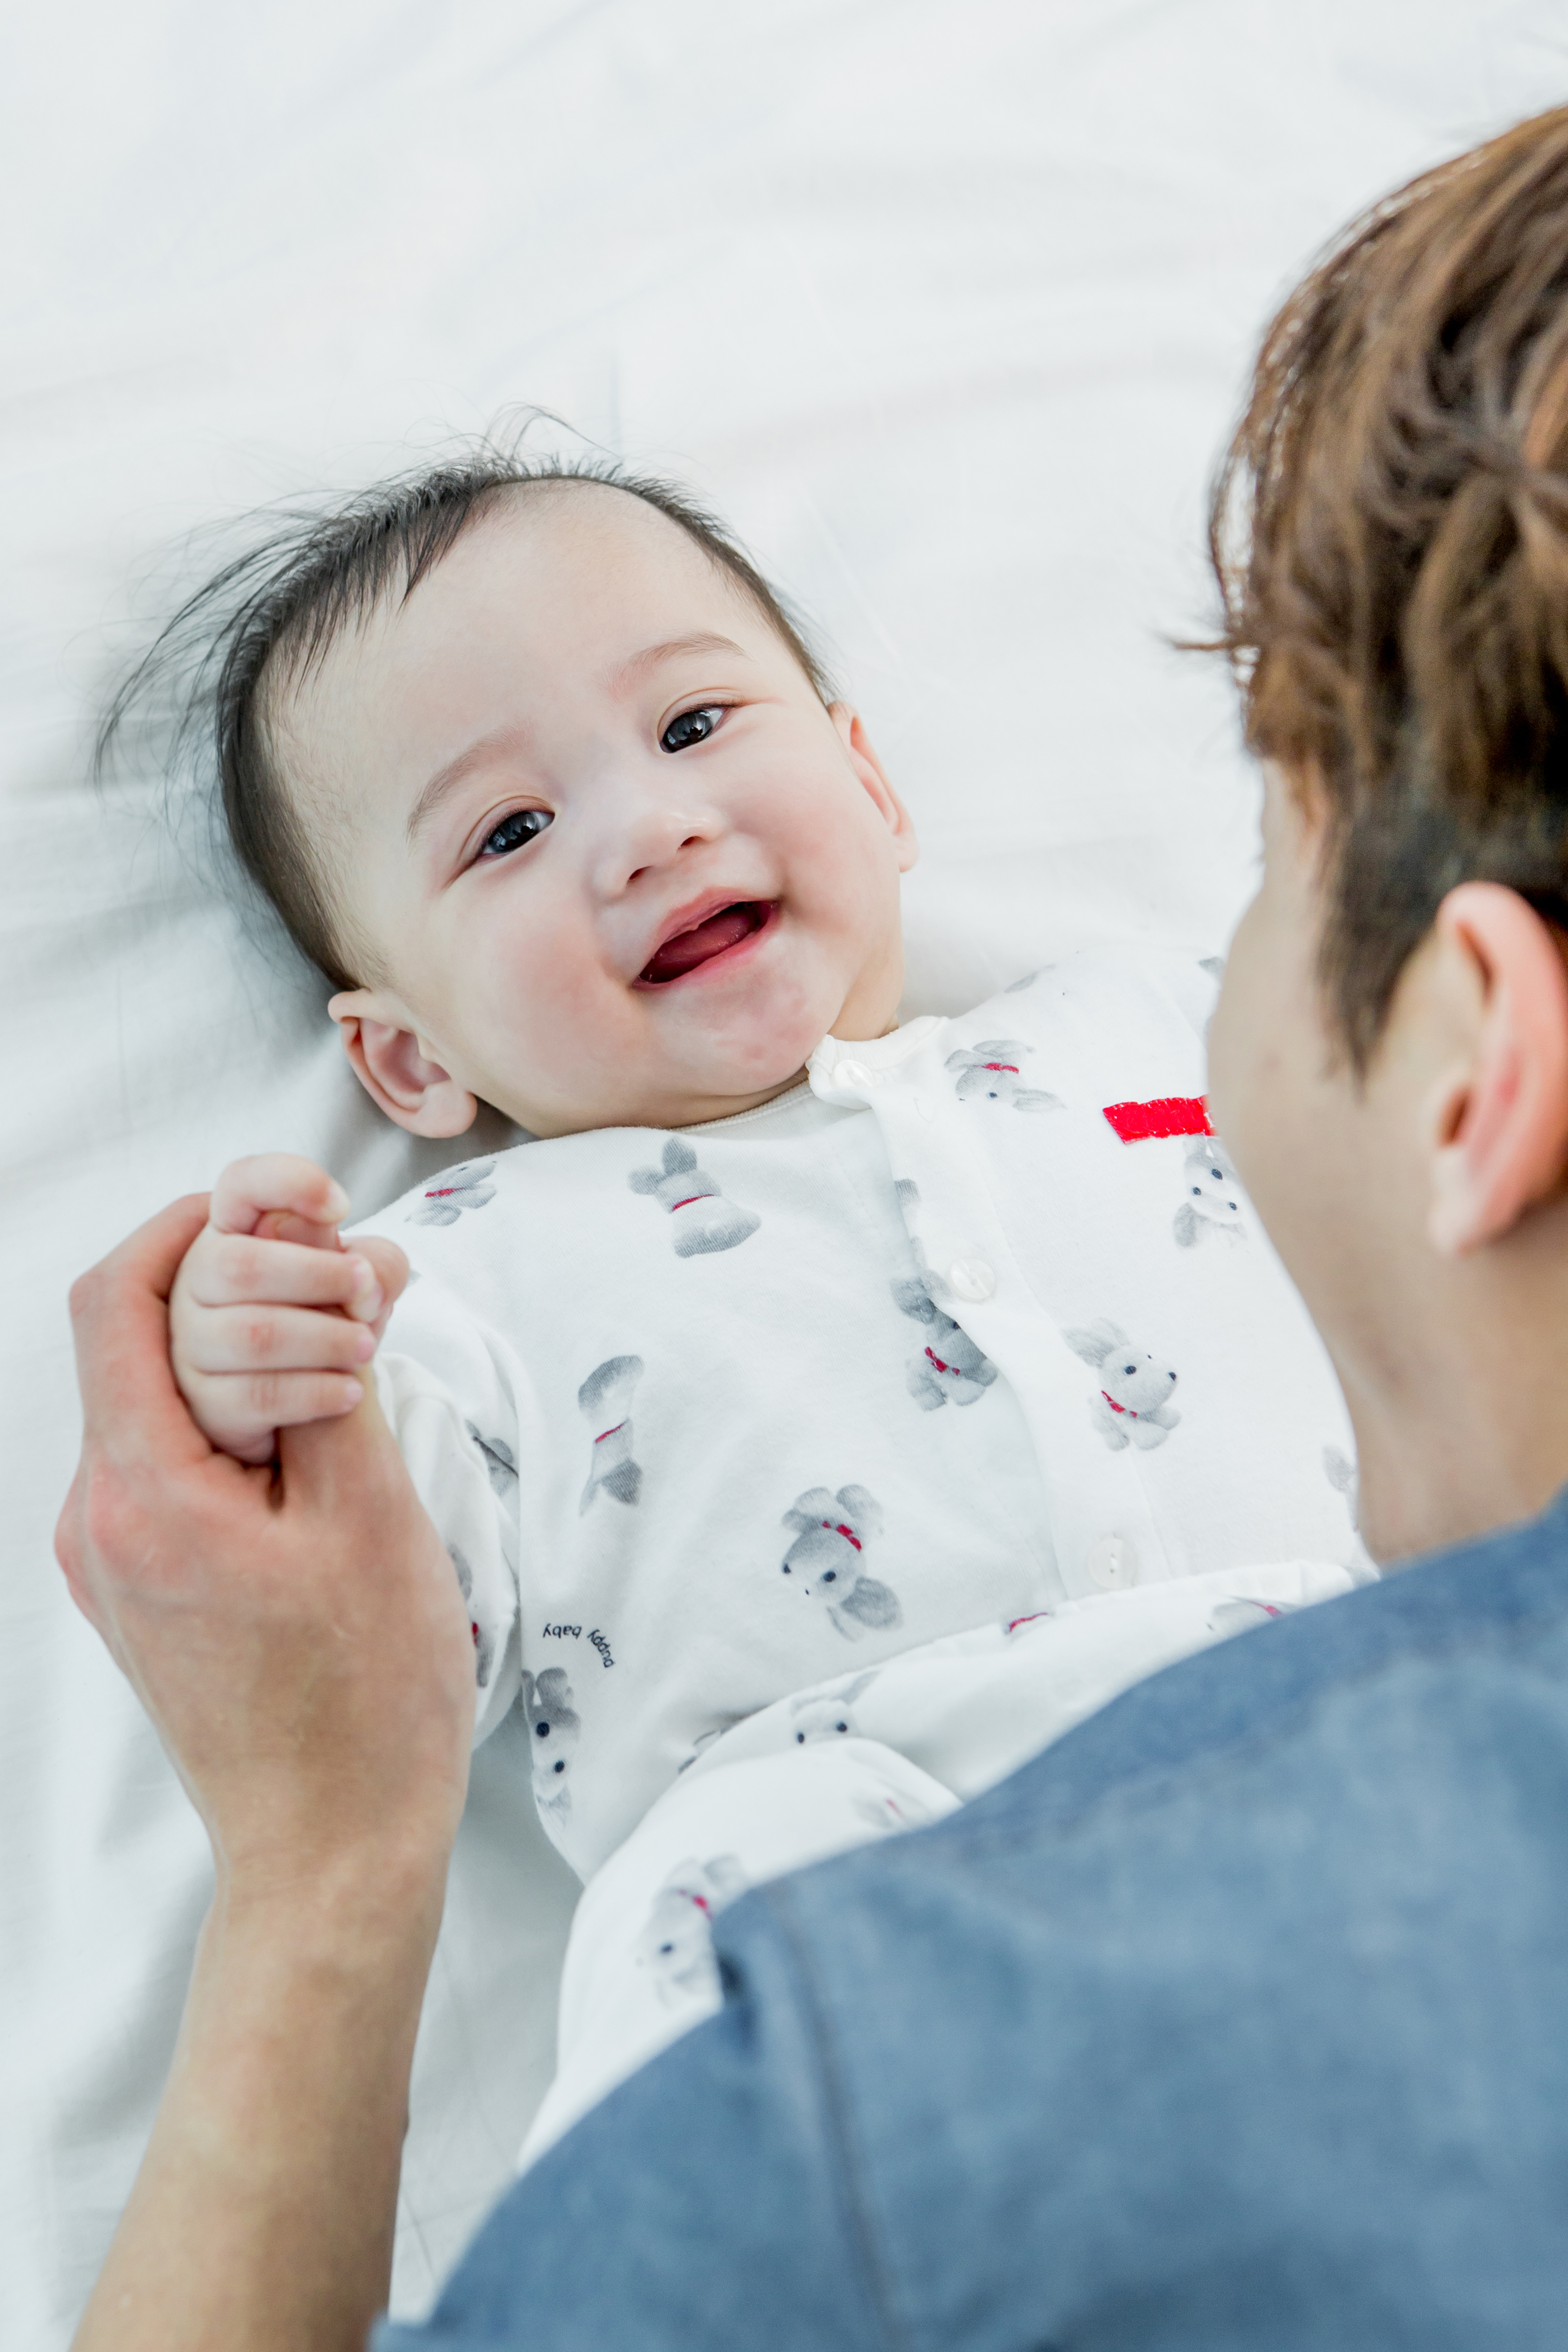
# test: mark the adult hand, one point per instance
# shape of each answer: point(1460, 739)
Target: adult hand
point(298, 1640)
point(298, 1637)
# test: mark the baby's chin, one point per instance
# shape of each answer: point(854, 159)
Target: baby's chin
point(735, 1043)
point(721, 1085)
point(750, 1063)
point(697, 1054)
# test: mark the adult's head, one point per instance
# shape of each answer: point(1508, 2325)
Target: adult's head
point(538, 770)
point(1391, 1054)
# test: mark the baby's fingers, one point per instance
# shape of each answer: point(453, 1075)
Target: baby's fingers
point(275, 1183)
point(389, 1266)
point(240, 1411)
point(239, 1270)
point(249, 1339)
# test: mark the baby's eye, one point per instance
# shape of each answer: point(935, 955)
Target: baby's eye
point(691, 727)
point(513, 831)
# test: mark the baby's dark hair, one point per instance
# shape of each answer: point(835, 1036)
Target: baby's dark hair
point(282, 604)
point(1390, 532)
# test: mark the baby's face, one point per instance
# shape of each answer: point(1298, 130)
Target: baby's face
point(615, 861)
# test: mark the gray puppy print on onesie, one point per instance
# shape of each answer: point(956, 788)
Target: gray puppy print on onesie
point(704, 1220)
point(500, 1463)
point(1211, 1205)
point(604, 1400)
point(554, 1728)
point(829, 1715)
point(1133, 1406)
point(991, 1070)
point(826, 1562)
point(950, 1369)
point(675, 1944)
point(445, 1196)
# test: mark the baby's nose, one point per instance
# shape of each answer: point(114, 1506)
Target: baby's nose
point(641, 831)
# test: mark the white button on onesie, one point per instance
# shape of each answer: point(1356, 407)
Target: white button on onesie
point(811, 1469)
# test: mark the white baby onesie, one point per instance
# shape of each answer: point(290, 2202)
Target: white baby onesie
point(677, 1370)
point(976, 1337)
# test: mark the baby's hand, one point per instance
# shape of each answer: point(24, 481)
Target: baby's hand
point(270, 1317)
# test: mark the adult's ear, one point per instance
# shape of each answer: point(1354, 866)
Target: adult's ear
point(391, 1062)
point(1499, 1131)
point(874, 777)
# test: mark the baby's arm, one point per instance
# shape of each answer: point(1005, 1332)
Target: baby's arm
point(271, 1319)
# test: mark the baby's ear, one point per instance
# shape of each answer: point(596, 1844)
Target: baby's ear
point(874, 778)
point(389, 1058)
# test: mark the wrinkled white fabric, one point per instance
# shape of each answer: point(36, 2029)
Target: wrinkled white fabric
point(888, 1749)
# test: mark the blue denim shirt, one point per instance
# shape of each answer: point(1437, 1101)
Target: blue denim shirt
point(1239, 2018)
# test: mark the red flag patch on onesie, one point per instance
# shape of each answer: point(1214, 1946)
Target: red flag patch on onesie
point(1144, 1122)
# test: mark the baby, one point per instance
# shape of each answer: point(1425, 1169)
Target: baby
point(821, 1414)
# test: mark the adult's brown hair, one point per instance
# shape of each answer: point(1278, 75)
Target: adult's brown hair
point(1390, 532)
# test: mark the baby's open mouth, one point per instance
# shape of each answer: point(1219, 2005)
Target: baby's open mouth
point(674, 958)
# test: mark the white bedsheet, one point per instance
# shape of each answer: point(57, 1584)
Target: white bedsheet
point(944, 302)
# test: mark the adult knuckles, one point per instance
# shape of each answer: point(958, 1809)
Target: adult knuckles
point(86, 1294)
point(106, 1520)
point(68, 1534)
